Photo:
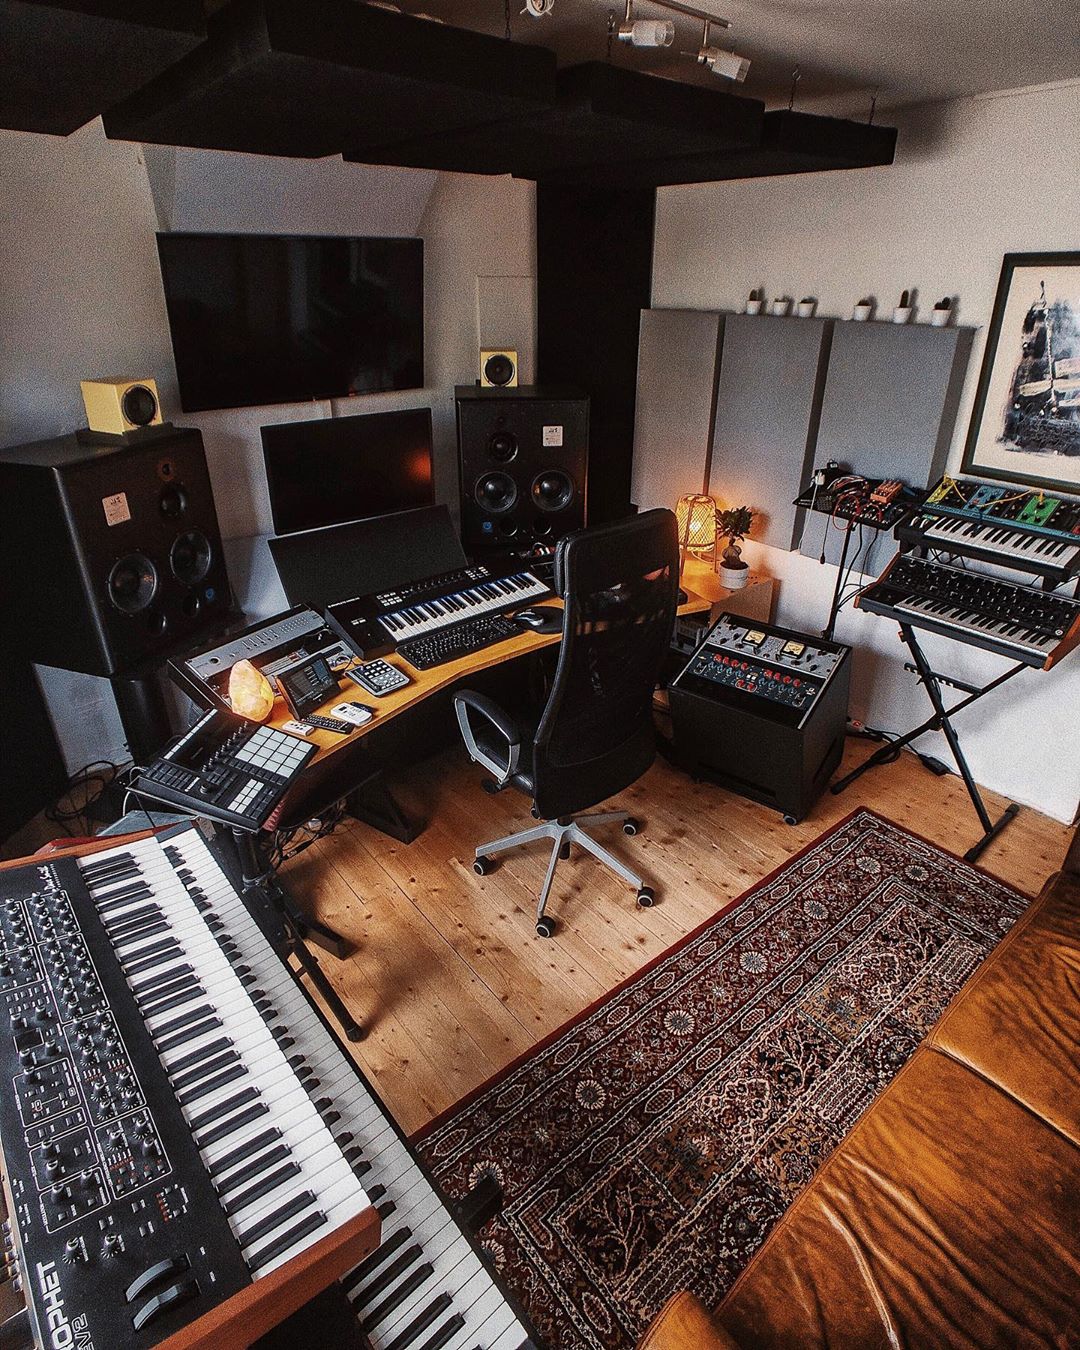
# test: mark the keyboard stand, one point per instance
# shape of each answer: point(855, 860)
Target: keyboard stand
point(259, 880)
point(941, 721)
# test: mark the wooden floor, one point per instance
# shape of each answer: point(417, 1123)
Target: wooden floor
point(448, 975)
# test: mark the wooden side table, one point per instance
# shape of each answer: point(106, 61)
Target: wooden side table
point(755, 600)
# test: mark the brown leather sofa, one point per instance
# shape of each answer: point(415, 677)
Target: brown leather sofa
point(950, 1215)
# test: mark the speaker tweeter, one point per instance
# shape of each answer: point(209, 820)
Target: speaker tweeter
point(498, 369)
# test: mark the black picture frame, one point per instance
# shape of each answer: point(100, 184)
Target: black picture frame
point(1009, 439)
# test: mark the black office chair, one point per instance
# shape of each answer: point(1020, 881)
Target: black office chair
point(595, 737)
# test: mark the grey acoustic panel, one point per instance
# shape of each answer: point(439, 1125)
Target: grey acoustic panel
point(678, 363)
point(889, 408)
point(767, 408)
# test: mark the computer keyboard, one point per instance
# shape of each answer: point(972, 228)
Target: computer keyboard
point(448, 644)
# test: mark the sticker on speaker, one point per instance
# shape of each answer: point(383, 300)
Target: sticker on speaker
point(116, 508)
point(552, 436)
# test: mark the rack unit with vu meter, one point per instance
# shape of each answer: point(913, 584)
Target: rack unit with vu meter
point(762, 710)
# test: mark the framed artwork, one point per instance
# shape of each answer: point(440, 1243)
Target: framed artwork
point(1025, 427)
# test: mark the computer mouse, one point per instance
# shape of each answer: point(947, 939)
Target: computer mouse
point(547, 619)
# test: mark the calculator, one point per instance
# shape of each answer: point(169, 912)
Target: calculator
point(378, 677)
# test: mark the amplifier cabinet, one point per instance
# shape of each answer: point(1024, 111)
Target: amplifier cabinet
point(762, 711)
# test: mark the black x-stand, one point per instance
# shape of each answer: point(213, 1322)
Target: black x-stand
point(941, 721)
point(262, 885)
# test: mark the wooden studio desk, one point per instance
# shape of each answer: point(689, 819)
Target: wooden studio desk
point(344, 766)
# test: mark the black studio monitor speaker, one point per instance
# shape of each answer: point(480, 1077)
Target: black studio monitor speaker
point(524, 460)
point(110, 553)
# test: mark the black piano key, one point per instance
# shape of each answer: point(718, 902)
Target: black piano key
point(219, 1080)
point(213, 1065)
point(151, 931)
point(278, 1177)
point(233, 1103)
point(183, 1022)
point(371, 1317)
point(137, 891)
point(198, 1057)
point(275, 1154)
point(385, 1209)
point(264, 1255)
point(421, 1322)
point(176, 998)
point(389, 1275)
point(445, 1334)
point(117, 925)
point(192, 1033)
point(372, 1262)
point(152, 956)
point(245, 1150)
point(159, 981)
point(276, 1218)
point(223, 1130)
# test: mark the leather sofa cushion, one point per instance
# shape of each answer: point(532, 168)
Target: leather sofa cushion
point(684, 1324)
point(1017, 1022)
point(948, 1218)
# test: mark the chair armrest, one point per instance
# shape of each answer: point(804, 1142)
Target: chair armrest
point(684, 1324)
point(467, 700)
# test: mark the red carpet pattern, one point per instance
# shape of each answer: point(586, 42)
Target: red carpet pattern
point(651, 1144)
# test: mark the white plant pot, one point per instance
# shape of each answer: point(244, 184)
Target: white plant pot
point(862, 312)
point(780, 306)
point(734, 578)
point(806, 309)
point(901, 314)
point(939, 318)
point(754, 306)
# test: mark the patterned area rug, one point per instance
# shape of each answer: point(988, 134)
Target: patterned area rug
point(651, 1144)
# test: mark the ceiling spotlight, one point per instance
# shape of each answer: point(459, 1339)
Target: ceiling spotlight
point(538, 8)
point(721, 62)
point(646, 32)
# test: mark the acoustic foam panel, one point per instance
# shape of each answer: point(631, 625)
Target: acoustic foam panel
point(61, 65)
point(604, 115)
point(312, 79)
point(678, 366)
point(889, 406)
point(772, 373)
point(791, 142)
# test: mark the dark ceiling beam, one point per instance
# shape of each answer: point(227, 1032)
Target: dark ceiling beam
point(61, 65)
point(312, 78)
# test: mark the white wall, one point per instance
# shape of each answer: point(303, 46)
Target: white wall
point(973, 180)
point(82, 296)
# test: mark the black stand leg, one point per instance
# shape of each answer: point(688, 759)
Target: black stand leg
point(942, 721)
point(834, 608)
point(143, 714)
point(258, 877)
point(373, 803)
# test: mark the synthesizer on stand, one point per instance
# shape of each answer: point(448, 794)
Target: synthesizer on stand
point(189, 1155)
point(772, 702)
point(1026, 623)
point(1031, 531)
point(438, 619)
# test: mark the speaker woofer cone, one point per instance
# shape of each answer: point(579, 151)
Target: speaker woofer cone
point(552, 490)
point(190, 557)
point(498, 369)
point(133, 583)
point(138, 405)
point(495, 493)
point(503, 447)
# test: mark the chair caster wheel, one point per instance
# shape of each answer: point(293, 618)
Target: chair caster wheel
point(482, 866)
point(534, 813)
point(646, 897)
point(791, 820)
point(545, 927)
point(630, 826)
point(564, 852)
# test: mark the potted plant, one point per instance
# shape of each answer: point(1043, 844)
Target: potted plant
point(734, 524)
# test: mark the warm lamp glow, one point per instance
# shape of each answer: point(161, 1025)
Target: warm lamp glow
point(250, 692)
point(696, 517)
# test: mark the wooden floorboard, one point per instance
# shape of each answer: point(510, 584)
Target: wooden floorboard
point(448, 976)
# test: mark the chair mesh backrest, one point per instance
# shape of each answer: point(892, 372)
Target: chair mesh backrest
point(620, 587)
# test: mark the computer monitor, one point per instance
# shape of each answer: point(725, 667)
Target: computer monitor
point(361, 557)
point(347, 468)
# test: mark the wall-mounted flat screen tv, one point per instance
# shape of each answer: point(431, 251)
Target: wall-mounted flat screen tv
point(260, 319)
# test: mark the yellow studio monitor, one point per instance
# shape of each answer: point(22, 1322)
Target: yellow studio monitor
point(119, 406)
point(498, 369)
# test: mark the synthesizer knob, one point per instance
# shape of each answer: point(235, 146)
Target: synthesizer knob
point(111, 1245)
point(73, 1250)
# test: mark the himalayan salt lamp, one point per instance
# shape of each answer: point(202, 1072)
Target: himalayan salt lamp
point(250, 692)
